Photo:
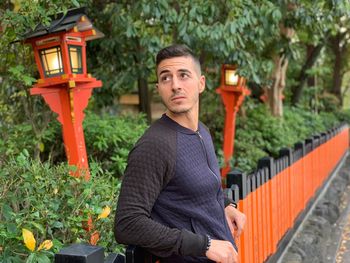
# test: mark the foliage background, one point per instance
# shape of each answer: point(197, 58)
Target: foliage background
point(243, 32)
point(32, 197)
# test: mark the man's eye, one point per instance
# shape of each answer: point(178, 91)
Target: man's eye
point(165, 78)
point(184, 75)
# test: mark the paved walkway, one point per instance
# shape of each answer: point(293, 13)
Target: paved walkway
point(324, 234)
point(343, 251)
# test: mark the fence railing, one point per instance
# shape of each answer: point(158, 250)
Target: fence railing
point(276, 196)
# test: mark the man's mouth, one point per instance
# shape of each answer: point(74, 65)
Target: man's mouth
point(178, 98)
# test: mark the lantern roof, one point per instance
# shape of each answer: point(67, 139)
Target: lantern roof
point(64, 22)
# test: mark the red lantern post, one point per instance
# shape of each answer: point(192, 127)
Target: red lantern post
point(64, 83)
point(233, 91)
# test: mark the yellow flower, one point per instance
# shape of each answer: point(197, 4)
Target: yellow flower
point(105, 212)
point(47, 244)
point(28, 239)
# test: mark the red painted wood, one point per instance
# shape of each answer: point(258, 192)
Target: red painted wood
point(232, 97)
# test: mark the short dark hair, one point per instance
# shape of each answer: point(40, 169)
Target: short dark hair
point(177, 50)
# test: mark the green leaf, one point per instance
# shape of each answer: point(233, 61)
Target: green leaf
point(42, 258)
point(75, 3)
point(57, 224)
point(39, 227)
point(7, 212)
point(11, 228)
point(31, 258)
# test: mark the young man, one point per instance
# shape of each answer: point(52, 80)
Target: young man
point(171, 201)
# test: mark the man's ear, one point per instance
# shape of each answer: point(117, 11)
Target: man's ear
point(201, 83)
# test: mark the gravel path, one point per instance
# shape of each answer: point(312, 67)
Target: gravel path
point(324, 234)
point(343, 251)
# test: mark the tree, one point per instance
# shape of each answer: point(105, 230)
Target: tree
point(318, 23)
point(280, 57)
point(219, 31)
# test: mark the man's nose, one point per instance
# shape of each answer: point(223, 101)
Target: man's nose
point(176, 83)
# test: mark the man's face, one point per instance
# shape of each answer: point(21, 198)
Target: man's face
point(179, 84)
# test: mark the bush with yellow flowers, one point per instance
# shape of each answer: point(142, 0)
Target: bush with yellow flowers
point(43, 208)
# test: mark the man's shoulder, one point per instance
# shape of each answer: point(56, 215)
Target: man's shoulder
point(158, 136)
point(205, 127)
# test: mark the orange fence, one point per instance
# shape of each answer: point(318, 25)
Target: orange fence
point(275, 197)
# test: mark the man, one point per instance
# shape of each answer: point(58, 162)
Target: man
point(171, 201)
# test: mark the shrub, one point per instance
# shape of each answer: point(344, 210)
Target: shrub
point(343, 116)
point(53, 205)
point(17, 137)
point(108, 140)
point(258, 134)
point(329, 102)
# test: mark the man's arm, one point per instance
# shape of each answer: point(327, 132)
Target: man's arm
point(146, 174)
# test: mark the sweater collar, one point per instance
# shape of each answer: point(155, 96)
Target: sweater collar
point(175, 126)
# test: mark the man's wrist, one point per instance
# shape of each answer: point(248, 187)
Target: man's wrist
point(208, 242)
point(233, 204)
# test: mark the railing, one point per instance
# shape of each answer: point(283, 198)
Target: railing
point(274, 198)
point(277, 195)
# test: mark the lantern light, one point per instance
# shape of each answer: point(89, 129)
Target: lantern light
point(51, 59)
point(60, 49)
point(75, 59)
point(231, 77)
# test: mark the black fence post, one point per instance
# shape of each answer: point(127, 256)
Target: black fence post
point(85, 253)
point(268, 163)
point(316, 140)
point(309, 145)
point(254, 185)
point(234, 193)
point(323, 137)
point(299, 146)
point(236, 177)
point(80, 253)
point(287, 152)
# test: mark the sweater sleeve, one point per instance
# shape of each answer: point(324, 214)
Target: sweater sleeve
point(148, 171)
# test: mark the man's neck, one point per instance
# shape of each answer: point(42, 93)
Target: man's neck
point(188, 120)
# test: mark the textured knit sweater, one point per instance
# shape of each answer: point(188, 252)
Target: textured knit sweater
point(171, 195)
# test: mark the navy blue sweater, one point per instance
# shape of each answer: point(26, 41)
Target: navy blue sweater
point(171, 195)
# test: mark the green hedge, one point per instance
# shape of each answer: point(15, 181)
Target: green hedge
point(108, 140)
point(258, 134)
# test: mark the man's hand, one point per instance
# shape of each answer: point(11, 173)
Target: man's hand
point(222, 252)
point(236, 220)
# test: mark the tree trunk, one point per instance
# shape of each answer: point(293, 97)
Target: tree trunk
point(142, 84)
point(302, 78)
point(275, 92)
point(339, 53)
point(311, 80)
point(144, 105)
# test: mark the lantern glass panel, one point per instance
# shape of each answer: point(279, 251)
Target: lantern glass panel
point(51, 59)
point(231, 78)
point(75, 59)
